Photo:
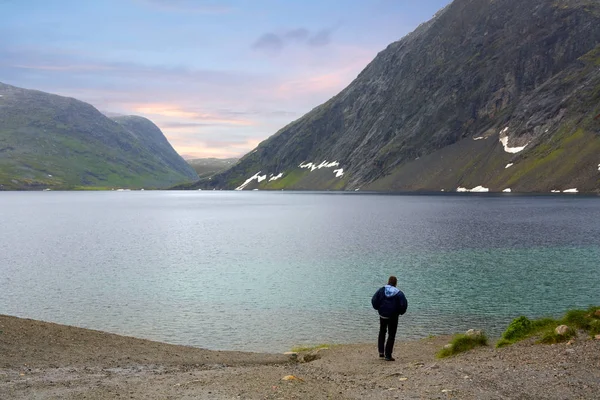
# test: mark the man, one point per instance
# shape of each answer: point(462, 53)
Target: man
point(391, 303)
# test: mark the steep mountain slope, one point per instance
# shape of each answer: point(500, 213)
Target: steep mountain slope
point(49, 141)
point(450, 104)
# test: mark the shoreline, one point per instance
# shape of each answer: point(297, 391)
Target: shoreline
point(49, 361)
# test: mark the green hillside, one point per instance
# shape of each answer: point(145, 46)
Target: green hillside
point(50, 141)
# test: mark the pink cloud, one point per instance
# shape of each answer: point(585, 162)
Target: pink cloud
point(175, 111)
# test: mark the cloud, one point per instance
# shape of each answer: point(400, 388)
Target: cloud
point(271, 42)
point(299, 34)
point(172, 110)
point(321, 38)
point(183, 125)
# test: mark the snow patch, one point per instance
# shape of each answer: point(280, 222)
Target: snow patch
point(253, 177)
point(507, 190)
point(261, 178)
point(509, 165)
point(308, 165)
point(274, 178)
point(555, 191)
point(598, 167)
point(504, 141)
point(478, 138)
point(324, 164)
point(571, 191)
point(476, 189)
point(313, 166)
point(512, 150)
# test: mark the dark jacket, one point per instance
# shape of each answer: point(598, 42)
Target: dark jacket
point(389, 301)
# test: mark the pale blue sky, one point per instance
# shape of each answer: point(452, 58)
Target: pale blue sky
point(218, 77)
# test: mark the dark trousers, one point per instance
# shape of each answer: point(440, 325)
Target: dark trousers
point(390, 325)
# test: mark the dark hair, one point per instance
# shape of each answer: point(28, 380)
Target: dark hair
point(393, 281)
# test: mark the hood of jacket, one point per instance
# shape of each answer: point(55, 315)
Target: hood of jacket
point(391, 291)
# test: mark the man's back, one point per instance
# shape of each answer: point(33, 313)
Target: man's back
point(389, 301)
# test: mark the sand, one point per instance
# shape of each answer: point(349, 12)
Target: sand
point(40, 360)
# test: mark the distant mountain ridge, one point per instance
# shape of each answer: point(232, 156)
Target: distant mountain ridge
point(207, 167)
point(50, 141)
point(445, 108)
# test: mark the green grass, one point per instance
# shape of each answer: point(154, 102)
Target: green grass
point(551, 337)
point(288, 180)
point(523, 328)
point(300, 349)
point(461, 343)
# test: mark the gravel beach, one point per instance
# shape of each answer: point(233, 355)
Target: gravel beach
point(40, 360)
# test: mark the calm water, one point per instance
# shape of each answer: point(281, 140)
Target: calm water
point(266, 271)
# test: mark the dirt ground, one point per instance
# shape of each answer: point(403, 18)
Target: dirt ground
point(41, 360)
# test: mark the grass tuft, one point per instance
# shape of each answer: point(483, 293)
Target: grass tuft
point(461, 343)
point(522, 328)
point(299, 349)
point(551, 337)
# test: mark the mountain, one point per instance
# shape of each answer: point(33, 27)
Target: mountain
point(494, 95)
point(207, 167)
point(50, 141)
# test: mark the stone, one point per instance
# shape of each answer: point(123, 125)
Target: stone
point(597, 337)
point(292, 355)
point(473, 332)
point(562, 330)
point(597, 313)
point(292, 378)
point(448, 346)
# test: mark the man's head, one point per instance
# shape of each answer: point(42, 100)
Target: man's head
point(392, 281)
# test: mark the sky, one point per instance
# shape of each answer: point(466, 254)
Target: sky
point(218, 77)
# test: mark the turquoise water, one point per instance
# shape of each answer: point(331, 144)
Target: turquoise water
point(268, 271)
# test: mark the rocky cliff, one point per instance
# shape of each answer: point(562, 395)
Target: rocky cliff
point(49, 141)
point(495, 95)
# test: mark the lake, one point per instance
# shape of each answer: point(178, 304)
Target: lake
point(266, 271)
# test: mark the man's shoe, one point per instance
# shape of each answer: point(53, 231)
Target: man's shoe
point(390, 359)
point(381, 355)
